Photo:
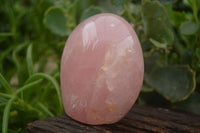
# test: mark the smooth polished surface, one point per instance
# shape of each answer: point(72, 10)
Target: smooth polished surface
point(101, 70)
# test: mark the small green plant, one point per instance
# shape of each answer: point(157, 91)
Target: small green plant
point(33, 35)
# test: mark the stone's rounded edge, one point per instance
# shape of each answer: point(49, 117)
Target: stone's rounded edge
point(105, 14)
point(133, 34)
point(90, 123)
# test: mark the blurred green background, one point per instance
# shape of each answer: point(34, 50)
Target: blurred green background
point(33, 35)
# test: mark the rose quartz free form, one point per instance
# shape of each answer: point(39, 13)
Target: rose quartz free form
point(101, 70)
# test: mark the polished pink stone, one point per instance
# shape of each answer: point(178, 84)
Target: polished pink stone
point(101, 70)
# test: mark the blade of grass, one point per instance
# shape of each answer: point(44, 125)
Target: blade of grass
point(44, 94)
point(5, 95)
point(46, 89)
point(52, 80)
point(14, 57)
point(5, 84)
point(42, 63)
point(8, 106)
point(29, 106)
point(29, 60)
point(16, 61)
point(3, 100)
point(2, 104)
point(5, 53)
point(45, 109)
point(5, 34)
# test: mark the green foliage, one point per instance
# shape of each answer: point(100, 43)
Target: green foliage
point(175, 83)
point(119, 2)
point(55, 20)
point(90, 12)
point(33, 35)
point(188, 28)
point(192, 103)
point(156, 24)
point(167, 2)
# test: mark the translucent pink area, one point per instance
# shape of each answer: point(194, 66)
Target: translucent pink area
point(101, 70)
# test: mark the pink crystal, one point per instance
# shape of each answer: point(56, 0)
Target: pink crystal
point(101, 70)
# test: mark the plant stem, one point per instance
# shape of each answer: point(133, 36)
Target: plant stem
point(52, 80)
point(5, 84)
point(5, 95)
point(29, 60)
point(47, 111)
point(8, 106)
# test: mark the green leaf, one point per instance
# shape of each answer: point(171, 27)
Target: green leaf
point(5, 95)
point(72, 14)
point(167, 2)
point(3, 101)
point(192, 104)
point(144, 1)
point(186, 56)
point(29, 60)
point(158, 44)
point(46, 110)
point(92, 10)
point(21, 67)
point(198, 4)
point(146, 88)
point(175, 83)
point(119, 2)
point(178, 18)
point(56, 21)
point(156, 24)
point(188, 28)
point(155, 19)
point(166, 38)
point(5, 84)
point(194, 5)
point(82, 5)
point(3, 36)
point(198, 52)
point(108, 7)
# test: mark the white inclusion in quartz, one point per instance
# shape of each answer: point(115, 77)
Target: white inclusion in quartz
point(112, 25)
point(89, 35)
point(114, 61)
point(73, 100)
point(77, 101)
point(127, 43)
